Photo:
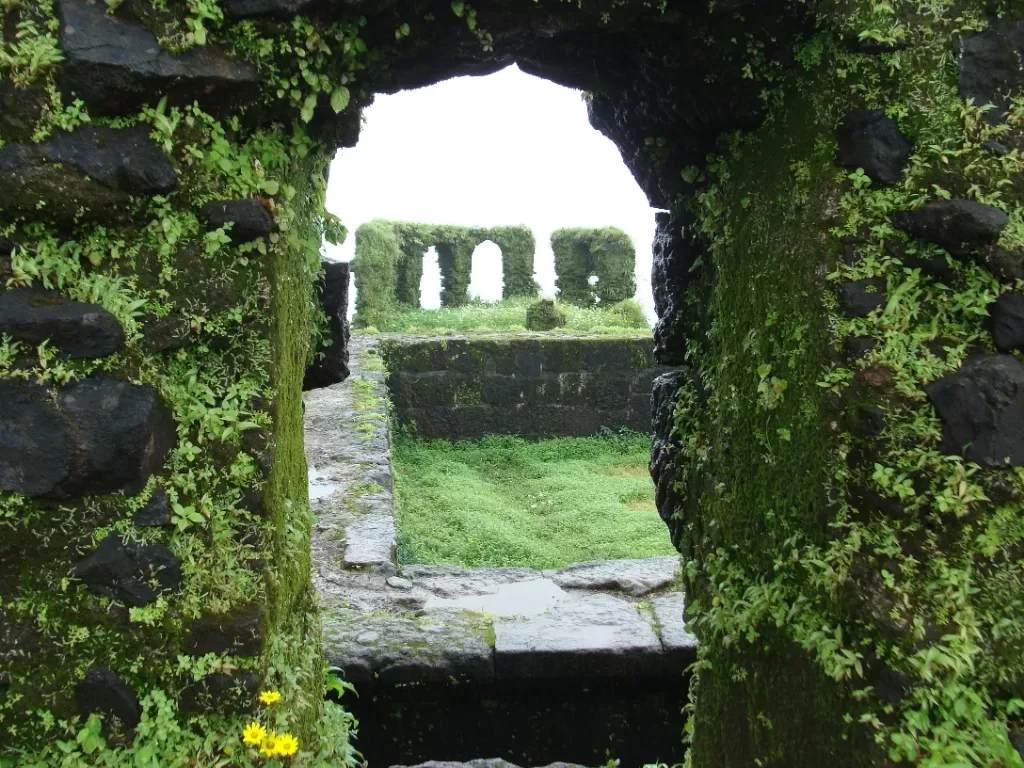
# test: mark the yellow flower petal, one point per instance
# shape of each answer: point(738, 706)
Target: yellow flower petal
point(269, 745)
point(286, 745)
point(270, 697)
point(254, 733)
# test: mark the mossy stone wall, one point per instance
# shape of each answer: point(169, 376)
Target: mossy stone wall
point(461, 389)
point(582, 254)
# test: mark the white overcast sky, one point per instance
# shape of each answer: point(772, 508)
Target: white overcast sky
point(507, 148)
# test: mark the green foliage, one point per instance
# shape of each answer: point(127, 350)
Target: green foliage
point(505, 501)
point(505, 317)
point(581, 254)
point(375, 264)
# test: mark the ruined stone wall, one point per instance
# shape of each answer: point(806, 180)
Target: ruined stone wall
point(461, 389)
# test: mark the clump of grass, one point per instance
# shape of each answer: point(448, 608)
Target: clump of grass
point(624, 318)
point(505, 501)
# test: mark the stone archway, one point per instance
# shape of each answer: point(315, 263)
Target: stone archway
point(851, 537)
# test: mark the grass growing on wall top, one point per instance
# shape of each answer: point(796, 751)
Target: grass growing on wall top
point(626, 317)
point(504, 501)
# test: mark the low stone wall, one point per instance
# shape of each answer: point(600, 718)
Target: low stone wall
point(459, 388)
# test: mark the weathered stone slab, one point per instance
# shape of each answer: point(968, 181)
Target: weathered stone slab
point(959, 226)
point(391, 650)
point(583, 636)
point(450, 581)
point(35, 442)
point(370, 542)
point(519, 598)
point(679, 644)
point(77, 329)
point(102, 692)
point(115, 66)
point(634, 577)
point(132, 573)
point(248, 219)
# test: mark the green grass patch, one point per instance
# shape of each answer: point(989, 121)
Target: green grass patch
point(506, 501)
point(624, 318)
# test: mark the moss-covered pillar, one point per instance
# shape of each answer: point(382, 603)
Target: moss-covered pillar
point(573, 268)
point(847, 467)
point(455, 259)
point(518, 248)
point(157, 271)
point(378, 256)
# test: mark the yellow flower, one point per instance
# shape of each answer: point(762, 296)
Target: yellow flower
point(254, 733)
point(286, 745)
point(270, 697)
point(269, 746)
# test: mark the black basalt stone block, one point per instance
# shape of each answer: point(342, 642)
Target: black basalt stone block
point(1008, 322)
point(122, 434)
point(127, 571)
point(166, 334)
point(671, 271)
point(102, 692)
point(115, 66)
point(871, 140)
point(1004, 264)
point(35, 440)
point(856, 347)
point(982, 410)
point(156, 513)
point(860, 298)
point(94, 169)
point(249, 219)
point(990, 70)
point(224, 693)
point(77, 329)
point(240, 634)
point(959, 226)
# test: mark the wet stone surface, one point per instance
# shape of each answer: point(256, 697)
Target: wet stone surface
point(386, 625)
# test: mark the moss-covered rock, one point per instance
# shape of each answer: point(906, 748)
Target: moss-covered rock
point(544, 315)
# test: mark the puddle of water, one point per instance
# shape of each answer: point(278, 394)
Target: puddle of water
point(318, 488)
point(521, 598)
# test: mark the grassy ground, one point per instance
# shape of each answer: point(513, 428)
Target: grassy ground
point(482, 317)
point(505, 501)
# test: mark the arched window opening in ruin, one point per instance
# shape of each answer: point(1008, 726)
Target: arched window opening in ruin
point(430, 281)
point(486, 278)
point(418, 165)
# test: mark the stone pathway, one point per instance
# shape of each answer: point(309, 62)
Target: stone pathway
point(385, 625)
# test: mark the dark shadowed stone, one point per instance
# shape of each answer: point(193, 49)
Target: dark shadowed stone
point(157, 511)
point(673, 257)
point(333, 294)
point(860, 298)
point(222, 693)
point(867, 421)
point(21, 109)
point(665, 450)
point(255, 9)
point(1009, 266)
point(1008, 322)
point(35, 441)
point(982, 410)
point(126, 572)
point(871, 140)
point(892, 686)
point(935, 264)
point(250, 219)
point(997, 149)
point(104, 693)
point(239, 633)
point(855, 347)
point(122, 434)
point(167, 333)
point(116, 66)
point(990, 69)
point(77, 329)
point(959, 226)
point(93, 168)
